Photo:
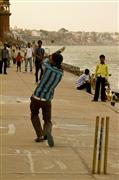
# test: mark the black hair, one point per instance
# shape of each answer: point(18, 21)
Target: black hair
point(102, 56)
point(87, 71)
point(39, 41)
point(57, 58)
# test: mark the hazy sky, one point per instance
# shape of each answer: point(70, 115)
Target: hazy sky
point(99, 16)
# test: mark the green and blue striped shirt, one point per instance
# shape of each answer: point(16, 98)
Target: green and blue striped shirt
point(51, 77)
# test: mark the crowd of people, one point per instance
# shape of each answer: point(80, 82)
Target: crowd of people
point(23, 58)
point(48, 74)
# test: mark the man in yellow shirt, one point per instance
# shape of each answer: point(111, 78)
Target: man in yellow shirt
point(101, 75)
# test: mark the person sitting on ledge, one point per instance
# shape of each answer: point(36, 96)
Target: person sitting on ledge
point(84, 81)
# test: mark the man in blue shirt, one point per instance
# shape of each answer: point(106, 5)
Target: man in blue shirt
point(42, 96)
point(5, 57)
point(39, 55)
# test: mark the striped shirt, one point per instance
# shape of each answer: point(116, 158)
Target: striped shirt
point(51, 77)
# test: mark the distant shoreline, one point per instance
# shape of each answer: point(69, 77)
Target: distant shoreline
point(83, 45)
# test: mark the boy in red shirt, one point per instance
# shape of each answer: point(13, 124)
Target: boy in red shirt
point(19, 60)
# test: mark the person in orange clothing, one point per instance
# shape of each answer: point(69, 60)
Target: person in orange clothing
point(19, 61)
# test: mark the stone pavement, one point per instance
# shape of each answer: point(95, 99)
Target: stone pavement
point(73, 117)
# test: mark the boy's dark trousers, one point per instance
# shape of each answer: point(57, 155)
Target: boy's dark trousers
point(4, 61)
point(35, 106)
point(86, 86)
point(100, 81)
point(19, 66)
point(38, 67)
point(1, 66)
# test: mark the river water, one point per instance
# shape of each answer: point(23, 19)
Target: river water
point(88, 57)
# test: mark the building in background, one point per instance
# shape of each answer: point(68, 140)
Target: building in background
point(4, 18)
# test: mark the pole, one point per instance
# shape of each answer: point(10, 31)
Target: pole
point(106, 145)
point(100, 146)
point(95, 144)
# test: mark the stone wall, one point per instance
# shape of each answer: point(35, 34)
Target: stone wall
point(72, 69)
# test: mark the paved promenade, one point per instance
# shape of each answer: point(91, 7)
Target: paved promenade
point(73, 117)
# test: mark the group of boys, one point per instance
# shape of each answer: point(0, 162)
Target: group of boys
point(100, 78)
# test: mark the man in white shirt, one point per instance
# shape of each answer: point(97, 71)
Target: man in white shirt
point(28, 57)
point(84, 81)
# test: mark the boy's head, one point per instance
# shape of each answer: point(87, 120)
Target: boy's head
point(5, 45)
point(29, 44)
point(19, 53)
point(39, 43)
point(56, 59)
point(87, 71)
point(102, 59)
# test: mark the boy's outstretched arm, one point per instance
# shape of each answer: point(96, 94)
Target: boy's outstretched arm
point(60, 50)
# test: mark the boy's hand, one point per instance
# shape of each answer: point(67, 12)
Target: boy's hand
point(62, 49)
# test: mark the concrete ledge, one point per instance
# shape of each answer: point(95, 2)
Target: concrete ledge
point(72, 69)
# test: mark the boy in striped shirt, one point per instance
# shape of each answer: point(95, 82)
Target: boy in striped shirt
point(42, 96)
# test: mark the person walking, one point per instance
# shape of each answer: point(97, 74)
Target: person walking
point(5, 57)
point(0, 57)
point(19, 61)
point(28, 57)
point(39, 56)
point(101, 75)
point(42, 96)
point(10, 55)
point(34, 46)
point(13, 56)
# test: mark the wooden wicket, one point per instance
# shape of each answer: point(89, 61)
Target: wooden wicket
point(98, 145)
point(95, 144)
point(106, 145)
